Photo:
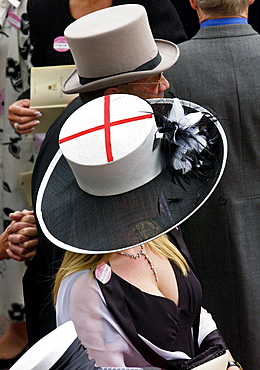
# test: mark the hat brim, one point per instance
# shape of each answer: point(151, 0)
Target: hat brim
point(79, 222)
point(168, 51)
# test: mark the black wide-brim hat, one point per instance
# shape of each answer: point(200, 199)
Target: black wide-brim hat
point(80, 222)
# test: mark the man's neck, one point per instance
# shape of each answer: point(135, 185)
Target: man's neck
point(203, 17)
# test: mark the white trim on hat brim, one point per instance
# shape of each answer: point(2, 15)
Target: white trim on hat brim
point(56, 159)
point(48, 350)
point(169, 53)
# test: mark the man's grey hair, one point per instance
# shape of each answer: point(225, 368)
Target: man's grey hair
point(223, 7)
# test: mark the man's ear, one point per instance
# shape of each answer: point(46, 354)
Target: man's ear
point(193, 4)
point(111, 90)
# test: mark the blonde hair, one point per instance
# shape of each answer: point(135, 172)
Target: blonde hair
point(74, 262)
point(223, 7)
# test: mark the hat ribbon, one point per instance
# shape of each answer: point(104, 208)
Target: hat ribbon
point(151, 64)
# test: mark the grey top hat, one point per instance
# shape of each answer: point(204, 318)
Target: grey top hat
point(113, 46)
point(122, 178)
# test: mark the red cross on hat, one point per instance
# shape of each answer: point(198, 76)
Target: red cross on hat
point(106, 126)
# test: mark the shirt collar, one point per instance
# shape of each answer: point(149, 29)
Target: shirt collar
point(223, 21)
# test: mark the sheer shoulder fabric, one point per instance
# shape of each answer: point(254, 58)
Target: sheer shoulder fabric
point(80, 300)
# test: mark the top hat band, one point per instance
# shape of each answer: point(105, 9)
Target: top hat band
point(151, 64)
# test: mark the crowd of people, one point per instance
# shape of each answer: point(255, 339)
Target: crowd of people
point(114, 203)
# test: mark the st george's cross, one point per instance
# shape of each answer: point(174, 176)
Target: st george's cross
point(106, 127)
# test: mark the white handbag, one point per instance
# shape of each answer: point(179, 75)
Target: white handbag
point(218, 363)
point(215, 358)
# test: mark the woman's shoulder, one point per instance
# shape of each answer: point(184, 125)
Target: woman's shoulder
point(78, 281)
point(74, 277)
point(80, 284)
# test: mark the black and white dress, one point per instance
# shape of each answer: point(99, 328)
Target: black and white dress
point(122, 326)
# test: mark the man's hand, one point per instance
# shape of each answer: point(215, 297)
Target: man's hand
point(22, 118)
point(22, 235)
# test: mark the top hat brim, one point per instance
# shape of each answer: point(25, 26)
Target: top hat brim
point(77, 221)
point(169, 54)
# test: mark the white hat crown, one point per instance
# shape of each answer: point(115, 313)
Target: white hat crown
point(109, 145)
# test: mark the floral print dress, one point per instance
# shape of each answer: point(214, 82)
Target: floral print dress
point(16, 151)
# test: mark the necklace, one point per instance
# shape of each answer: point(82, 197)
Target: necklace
point(138, 255)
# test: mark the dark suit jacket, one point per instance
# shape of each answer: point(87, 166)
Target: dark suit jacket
point(220, 67)
point(38, 278)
